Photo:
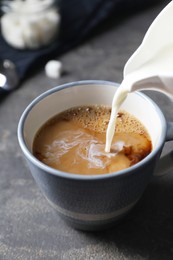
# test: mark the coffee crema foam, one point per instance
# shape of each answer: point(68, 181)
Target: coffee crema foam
point(74, 141)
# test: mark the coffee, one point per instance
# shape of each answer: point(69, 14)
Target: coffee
point(74, 141)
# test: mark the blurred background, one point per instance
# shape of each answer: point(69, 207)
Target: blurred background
point(34, 31)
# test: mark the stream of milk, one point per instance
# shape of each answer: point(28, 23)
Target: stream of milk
point(156, 74)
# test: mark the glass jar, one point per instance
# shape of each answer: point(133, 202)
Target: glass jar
point(29, 24)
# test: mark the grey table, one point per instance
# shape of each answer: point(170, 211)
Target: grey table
point(29, 227)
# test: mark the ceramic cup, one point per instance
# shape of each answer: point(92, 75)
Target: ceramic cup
point(94, 202)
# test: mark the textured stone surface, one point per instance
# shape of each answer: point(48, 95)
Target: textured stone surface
point(29, 227)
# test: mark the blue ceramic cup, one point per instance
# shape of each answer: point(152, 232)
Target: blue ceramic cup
point(94, 202)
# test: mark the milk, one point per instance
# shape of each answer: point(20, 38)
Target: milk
point(149, 68)
point(156, 74)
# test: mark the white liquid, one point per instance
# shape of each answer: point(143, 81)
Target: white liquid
point(156, 74)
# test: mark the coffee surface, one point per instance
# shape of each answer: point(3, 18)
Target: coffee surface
point(74, 141)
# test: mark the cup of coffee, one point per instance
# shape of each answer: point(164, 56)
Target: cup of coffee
point(62, 136)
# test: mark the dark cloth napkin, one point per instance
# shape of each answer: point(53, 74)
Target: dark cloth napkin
point(79, 19)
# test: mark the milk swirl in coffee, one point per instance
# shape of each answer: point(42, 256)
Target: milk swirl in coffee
point(74, 141)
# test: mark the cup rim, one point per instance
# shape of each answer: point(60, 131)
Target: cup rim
point(50, 170)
